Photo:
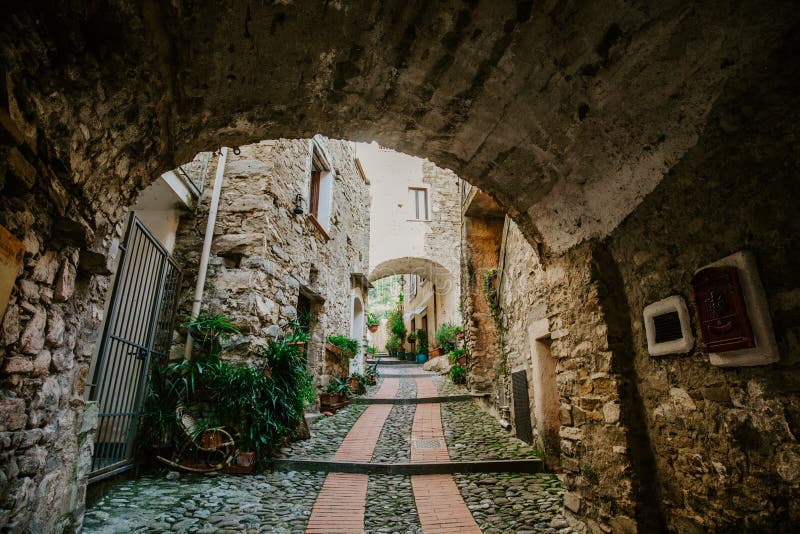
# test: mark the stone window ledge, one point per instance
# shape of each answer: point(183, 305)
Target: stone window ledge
point(319, 227)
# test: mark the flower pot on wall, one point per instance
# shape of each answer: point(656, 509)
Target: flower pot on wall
point(374, 328)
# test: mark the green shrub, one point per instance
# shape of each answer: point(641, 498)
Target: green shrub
point(396, 326)
point(422, 342)
point(372, 350)
point(458, 374)
point(446, 336)
point(456, 354)
point(260, 411)
point(392, 346)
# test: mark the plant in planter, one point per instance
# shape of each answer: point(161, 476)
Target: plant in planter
point(392, 346)
point(372, 351)
point(371, 374)
point(398, 330)
point(347, 347)
point(209, 330)
point(339, 387)
point(261, 411)
point(358, 383)
point(422, 342)
point(373, 323)
point(412, 340)
point(458, 357)
point(458, 374)
point(446, 336)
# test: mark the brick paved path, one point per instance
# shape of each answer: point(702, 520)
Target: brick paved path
point(341, 503)
point(439, 503)
point(293, 502)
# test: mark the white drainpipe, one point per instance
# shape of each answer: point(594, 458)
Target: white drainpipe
point(212, 221)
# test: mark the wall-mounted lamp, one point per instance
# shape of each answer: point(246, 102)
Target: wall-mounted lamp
point(402, 281)
point(298, 204)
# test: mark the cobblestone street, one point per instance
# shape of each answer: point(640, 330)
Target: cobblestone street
point(318, 501)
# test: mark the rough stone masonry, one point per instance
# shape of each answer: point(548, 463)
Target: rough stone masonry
point(630, 144)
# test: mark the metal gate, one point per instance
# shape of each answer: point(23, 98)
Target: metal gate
point(138, 330)
point(522, 407)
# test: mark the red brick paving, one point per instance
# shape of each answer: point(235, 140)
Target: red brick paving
point(339, 507)
point(439, 503)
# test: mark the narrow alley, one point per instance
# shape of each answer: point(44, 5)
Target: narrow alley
point(410, 417)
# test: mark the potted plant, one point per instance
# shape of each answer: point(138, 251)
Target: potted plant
point(373, 323)
point(398, 330)
point(209, 330)
point(412, 340)
point(446, 336)
point(422, 342)
point(357, 383)
point(458, 357)
point(458, 374)
point(342, 346)
point(371, 374)
point(338, 387)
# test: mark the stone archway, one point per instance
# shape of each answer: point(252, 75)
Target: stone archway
point(568, 115)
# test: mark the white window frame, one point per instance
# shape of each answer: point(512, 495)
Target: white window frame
point(415, 207)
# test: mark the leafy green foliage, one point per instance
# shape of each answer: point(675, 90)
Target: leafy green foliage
point(372, 319)
point(392, 346)
point(422, 342)
point(446, 336)
point(456, 354)
point(458, 374)
point(372, 350)
point(338, 385)
point(260, 410)
point(362, 382)
point(345, 343)
point(383, 296)
point(212, 326)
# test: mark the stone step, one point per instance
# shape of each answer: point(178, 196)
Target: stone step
point(419, 400)
point(531, 465)
point(391, 361)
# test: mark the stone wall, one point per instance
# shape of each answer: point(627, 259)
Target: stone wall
point(47, 334)
point(674, 442)
point(725, 440)
point(442, 243)
point(481, 240)
point(262, 253)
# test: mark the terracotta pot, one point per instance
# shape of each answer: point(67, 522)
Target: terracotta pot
point(328, 398)
point(435, 352)
point(246, 459)
point(462, 360)
point(374, 328)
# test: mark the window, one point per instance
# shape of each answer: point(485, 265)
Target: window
point(314, 201)
point(320, 192)
point(419, 203)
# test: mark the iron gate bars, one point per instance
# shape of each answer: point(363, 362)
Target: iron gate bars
point(141, 315)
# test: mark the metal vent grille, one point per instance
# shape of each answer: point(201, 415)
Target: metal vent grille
point(667, 327)
point(427, 444)
point(522, 408)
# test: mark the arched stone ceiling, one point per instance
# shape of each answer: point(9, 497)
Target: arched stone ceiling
point(568, 113)
point(425, 267)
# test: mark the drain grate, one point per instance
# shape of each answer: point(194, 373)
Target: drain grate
point(427, 444)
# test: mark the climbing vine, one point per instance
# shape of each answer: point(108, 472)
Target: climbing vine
point(490, 285)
